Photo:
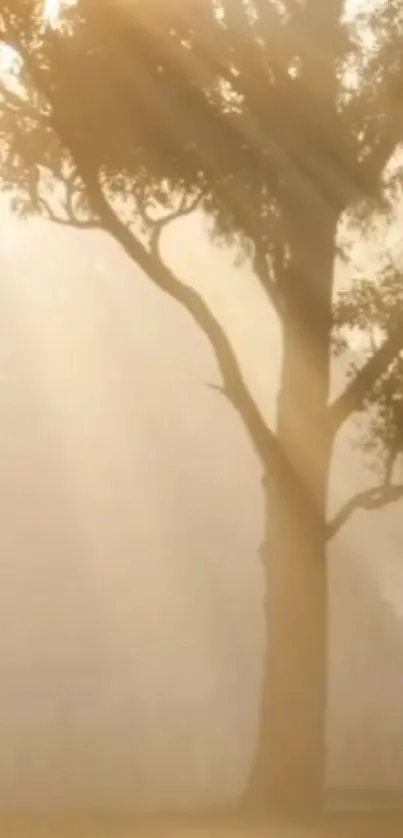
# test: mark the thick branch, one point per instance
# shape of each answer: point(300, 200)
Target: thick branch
point(353, 397)
point(375, 498)
point(263, 440)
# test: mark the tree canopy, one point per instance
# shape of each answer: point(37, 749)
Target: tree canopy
point(250, 109)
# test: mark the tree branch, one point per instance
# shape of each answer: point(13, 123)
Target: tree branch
point(263, 440)
point(375, 498)
point(184, 208)
point(353, 397)
point(66, 221)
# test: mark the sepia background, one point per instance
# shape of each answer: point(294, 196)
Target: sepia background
point(131, 516)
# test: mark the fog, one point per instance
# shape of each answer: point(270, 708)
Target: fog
point(131, 516)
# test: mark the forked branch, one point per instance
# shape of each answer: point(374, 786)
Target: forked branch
point(354, 395)
point(263, 440)
point(186, 206)
point(375, 498)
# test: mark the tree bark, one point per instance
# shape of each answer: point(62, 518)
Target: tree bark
point(289, 769)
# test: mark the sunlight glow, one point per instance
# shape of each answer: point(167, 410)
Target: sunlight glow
point(5, 58)
point(51, 10)
point(8, 59)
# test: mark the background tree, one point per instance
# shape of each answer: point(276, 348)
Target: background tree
point(278, 120)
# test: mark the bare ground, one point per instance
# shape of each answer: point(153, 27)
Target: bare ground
point(353, 825)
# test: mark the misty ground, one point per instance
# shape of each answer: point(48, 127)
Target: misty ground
point(351, 825)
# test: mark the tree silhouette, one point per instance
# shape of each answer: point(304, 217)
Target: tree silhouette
point(278, 121)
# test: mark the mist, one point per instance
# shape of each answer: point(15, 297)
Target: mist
point(131, 627)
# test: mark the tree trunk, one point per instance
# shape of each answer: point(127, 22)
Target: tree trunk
point(289, 767)
point(289, 770)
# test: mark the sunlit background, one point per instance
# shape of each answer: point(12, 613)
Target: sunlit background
point(131, 509)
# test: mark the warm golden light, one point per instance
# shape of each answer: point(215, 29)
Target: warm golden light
point(51, 10)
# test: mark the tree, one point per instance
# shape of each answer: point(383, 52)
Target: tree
point(278, 120)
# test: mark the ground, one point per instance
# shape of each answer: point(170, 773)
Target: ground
point(385, 825)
